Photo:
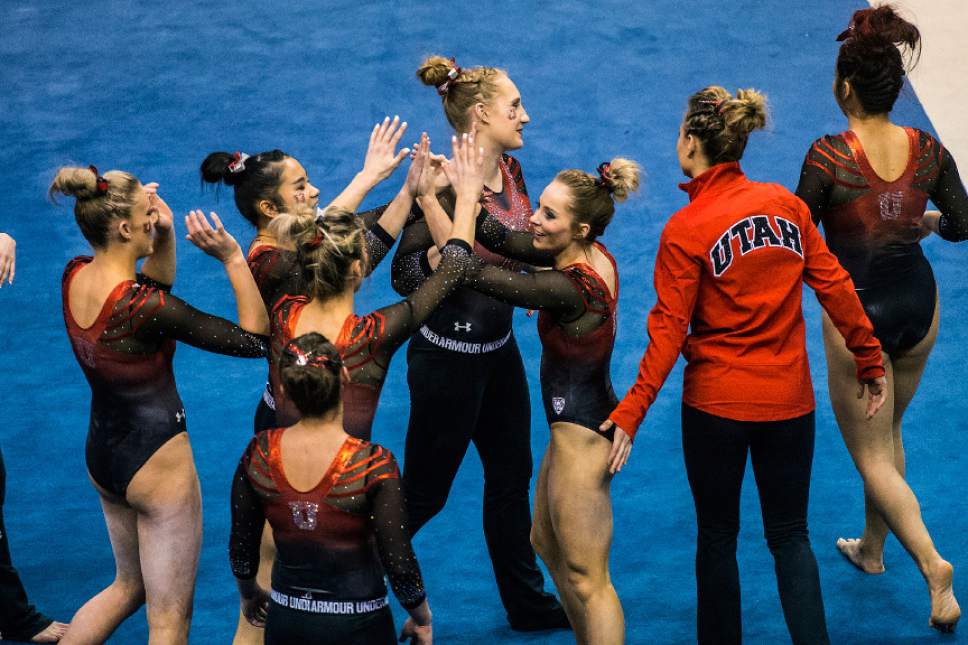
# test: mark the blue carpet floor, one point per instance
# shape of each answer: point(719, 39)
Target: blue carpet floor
point(152, 90)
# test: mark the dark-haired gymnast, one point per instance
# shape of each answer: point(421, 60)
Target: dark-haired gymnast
point(869, 186)
point(336, 509)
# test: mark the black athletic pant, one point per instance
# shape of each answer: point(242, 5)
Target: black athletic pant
point(457, 398)
point(18, 619)
point(782, 453)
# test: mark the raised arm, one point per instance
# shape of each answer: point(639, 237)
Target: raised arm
point(384, 224)
point(160, 265)
point(379, 163)
point(220, 244)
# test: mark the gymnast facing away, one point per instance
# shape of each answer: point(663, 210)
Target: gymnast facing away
point(869, 186)
point(123, 327)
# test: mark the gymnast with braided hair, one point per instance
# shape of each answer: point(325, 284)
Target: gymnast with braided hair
point(123, 327)
point(577, 326)
point(333, 258)
point(868, 187)
point(335, 505)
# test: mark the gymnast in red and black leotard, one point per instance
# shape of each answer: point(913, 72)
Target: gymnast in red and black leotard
point(126, 355)
point(869, 186)
point(272, 182)
point(123, 327)
point(337, 528)
point(577, 302)
point(874, 227)
point(330, 252)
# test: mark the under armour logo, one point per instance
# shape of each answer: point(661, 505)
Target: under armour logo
point(891, 204)
point(180, 416)
point(304, 514)
point(460, 327)
point(558, 403)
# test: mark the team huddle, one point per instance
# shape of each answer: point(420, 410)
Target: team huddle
point(322, 517)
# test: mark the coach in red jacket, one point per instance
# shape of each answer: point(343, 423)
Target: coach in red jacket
point(728, 279)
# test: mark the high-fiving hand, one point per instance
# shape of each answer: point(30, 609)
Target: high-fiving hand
point(381, 156)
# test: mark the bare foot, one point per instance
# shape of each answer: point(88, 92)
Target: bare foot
point(945, 611)
point(853, 550)
point(51, 634)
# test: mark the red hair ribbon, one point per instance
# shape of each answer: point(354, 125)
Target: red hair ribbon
point(238, 162)
point(452, 75)
point(603, 180)
point(316, 241)
point(717, 105)
point(311, 359)
point(101, 184)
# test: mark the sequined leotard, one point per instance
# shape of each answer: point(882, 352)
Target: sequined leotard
point(278, 274)
point(126, 355)
point(333, 542)
point(577, 329)
point(872, 226)
point(368, 342)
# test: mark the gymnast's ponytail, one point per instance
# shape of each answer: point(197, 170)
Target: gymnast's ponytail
point(98, 199)
point(594, 197)
point(254, 179)
point(327, 243)
point(459, 89)
point(723, 122)
point(870, 57)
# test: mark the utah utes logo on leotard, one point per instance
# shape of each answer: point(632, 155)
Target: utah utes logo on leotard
point(753, 233)
point(558, 403)
point(304, 514)
point(891, 204)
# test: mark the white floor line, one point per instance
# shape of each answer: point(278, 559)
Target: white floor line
point(941, 77)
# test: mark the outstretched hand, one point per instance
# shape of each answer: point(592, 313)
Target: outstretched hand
point(8, 258)
point(878, 394)
point(618, 456)
point(381, 156)
point(214, 240)
point(465, 169)
point(418, 165)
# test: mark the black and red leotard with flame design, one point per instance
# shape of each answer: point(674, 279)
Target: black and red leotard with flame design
point(577, 326)
point(367, 343)
point(873, 226)
point(333, 542)
point(126, 356)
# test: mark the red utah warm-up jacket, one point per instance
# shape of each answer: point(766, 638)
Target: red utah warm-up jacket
point(729, 278)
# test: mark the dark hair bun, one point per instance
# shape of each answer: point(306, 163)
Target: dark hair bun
point(215, 169)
